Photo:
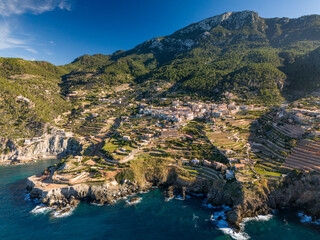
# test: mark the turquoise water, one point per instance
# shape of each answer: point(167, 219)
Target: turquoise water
point(152, 218)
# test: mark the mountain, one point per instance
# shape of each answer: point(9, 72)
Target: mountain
point(304, 73)
point(254, 58)
point(238, 52)
point(30, 96)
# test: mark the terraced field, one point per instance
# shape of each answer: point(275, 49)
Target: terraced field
point(203, 172)
point(305, 156)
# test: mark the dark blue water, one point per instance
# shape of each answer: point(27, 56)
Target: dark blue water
point(152, 218)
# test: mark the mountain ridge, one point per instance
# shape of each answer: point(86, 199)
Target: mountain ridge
point(256, 59)
point(207, 55)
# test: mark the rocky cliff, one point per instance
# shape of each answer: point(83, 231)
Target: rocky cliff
point(55, 144)
point(297, 190)
point(245, 200)
point(58, 194)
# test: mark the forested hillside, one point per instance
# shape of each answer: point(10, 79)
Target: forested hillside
point(257, 59)
point(238, 52)
point(30, 96)
point(304, 73)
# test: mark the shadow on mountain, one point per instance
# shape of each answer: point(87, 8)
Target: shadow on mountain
point(303, 75)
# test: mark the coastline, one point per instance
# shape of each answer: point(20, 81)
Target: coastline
point(231, 221)
point(28, 161)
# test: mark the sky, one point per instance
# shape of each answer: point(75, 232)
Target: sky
point(59, 31)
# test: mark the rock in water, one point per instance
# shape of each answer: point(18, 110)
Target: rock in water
point(169, 192)
point(134, 199)
point(183, 193)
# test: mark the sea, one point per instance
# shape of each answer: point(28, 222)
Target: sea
point(151, 218)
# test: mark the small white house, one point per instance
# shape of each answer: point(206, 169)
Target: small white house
point(126, 138)
point(229, 174)
point(195, 161)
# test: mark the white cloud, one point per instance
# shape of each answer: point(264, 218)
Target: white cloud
point(17, 7)
point(9, 41)
point(12, 40)
point(31, 50)
point(6, 39)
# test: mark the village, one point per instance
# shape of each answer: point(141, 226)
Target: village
point(225, 139)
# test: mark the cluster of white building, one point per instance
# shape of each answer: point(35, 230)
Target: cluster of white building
point(180, 111)
point(311, 113)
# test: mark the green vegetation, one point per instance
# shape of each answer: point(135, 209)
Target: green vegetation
point(256, 60)
point(30, 96)
point(253, 61)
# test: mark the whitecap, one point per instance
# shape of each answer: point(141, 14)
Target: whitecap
point(60, 214)
point(168, 199)
point(143, 192)
point(134, 202)
point(235, 235)
point(260, 218)
point(41, 209)
point(96, 204)
point(220, 220)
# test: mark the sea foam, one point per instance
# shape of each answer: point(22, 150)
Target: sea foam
point(134, 202)
point(61, 214)
point(220, 220)
point(41, 209)
point(304, 218)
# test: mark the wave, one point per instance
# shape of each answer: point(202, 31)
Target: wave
point(65, 212)
point(97, 204)
point(143, 192)
point(169, 199)
point(41, 209)
point(138, 200)
point(220, 220)
point(304, 218)
point(259, 218)
point(235, 235)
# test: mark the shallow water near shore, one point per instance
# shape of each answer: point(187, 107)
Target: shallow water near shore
point(150, 218)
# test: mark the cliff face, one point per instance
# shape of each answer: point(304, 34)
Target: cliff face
point(299, 190)
point(57, 194)
point(246, 201)
point(57, 144)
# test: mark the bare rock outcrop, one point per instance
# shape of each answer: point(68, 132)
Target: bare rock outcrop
point(55, 144)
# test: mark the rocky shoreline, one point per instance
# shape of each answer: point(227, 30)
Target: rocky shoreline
point(57, 144)
point(298, 190)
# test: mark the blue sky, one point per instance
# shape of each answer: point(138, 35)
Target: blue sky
point(58, 31)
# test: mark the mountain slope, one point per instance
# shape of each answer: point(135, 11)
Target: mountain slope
point(30, 96)
point(218, 54)
point(304, 73)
